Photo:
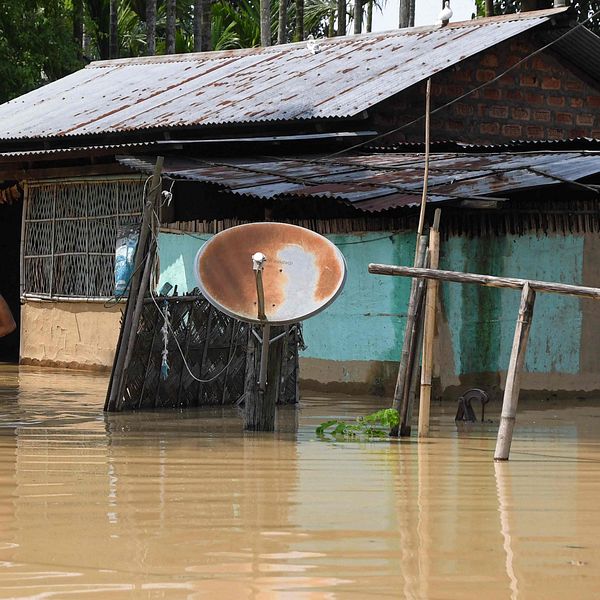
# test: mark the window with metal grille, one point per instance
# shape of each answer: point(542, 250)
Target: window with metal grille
point(69, 235)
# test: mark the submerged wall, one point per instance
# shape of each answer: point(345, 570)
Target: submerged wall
point(78, 335)
point(355, 343)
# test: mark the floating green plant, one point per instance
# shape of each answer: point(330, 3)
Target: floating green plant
point(375, 425)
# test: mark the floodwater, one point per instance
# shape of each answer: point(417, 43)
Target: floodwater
point(184, 505)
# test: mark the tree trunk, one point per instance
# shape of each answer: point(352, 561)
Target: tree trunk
point(489, 8)
point(150, 27)
point(369, 16)
point(357, 16)
point(331, 24)
point(404, 16)
point(205, 25)
point(171, 14)
point(113, 43)
point(299, 33)
point(411, 13)
point(341, 10)
point(282, 24)
point(198, 6)
point(78, 25)
point(265, 23)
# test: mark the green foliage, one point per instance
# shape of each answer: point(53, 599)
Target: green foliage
point(375, 425)
point(36, 44)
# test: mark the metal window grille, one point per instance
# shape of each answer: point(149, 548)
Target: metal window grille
point(69, 235)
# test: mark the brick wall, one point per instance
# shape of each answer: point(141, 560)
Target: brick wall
point(543, 99)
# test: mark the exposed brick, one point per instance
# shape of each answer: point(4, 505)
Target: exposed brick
point(577, 133)
point(532, 98)
point(489, 128)
point(463, 75)
point(541, 115)
point(564, 118)
point(534, 131)
point(551, 83)
point(453, 125)
point(521, 114)
point(555, 101)
point(514, 94)
point(489, 60)
point(498, 112)
point(484, 75)
point(573, 85)
point(585, 119)
point(512, 131)
point(539, 64)
point(576, 102)
point(454, 90)
point(528, 80)
point(492, 93)
point(593, 101)
point(596, 133)
point(512, 60)
point(464, 109)
point(555, 134)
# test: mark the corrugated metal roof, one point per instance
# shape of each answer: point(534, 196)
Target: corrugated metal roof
point(376, 182)
point(346, 76)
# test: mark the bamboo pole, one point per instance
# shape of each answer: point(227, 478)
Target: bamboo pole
point(127, 326)
point(397, 402)
point(426, 170)
point(513, 376)
point(429, 329)
point(487, 280)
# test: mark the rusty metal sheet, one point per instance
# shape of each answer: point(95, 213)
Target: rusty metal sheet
point(287, 82)
point(383, 181)
point(303, 273)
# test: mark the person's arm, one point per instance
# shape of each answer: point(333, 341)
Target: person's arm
point(7, 323)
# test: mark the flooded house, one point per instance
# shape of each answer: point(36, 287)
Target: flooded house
point(327, 135)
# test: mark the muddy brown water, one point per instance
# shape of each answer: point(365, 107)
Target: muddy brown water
point(184, 505)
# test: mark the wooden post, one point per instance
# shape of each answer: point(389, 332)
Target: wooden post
point(417, 344)
point(511, 389)
point(406, 344)
point(127, 326)
point(259, 405)
point(429, 329)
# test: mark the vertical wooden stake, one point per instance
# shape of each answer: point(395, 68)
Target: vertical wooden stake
point(406, 344)
point(511, 390)
point(429, 328)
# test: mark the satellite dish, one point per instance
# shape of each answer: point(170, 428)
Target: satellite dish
point(298, 271)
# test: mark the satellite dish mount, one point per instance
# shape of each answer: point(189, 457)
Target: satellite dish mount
point(295, 274)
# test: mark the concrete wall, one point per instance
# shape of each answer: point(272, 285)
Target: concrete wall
point(78, 335)
point(355, 343)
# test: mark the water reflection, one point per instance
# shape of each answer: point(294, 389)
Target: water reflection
point(184, 505)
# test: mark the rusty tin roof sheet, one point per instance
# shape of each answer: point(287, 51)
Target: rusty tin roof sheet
point(377, 182)
point(344, 77)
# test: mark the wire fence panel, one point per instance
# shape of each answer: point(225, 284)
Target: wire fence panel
point(214, 346)
point(70, 234)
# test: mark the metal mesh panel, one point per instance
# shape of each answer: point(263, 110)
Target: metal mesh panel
point(70, 231)
point(214, 346)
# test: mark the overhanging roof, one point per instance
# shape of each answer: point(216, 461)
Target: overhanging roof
point(345, 76)
point(382, 181)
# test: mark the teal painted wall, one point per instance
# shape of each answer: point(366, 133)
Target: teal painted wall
point(482, 320)
point(367, 321)
point(177, 252)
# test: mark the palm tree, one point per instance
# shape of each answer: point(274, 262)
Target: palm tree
point(282, 22)
point(299, 32)
point(171, 26)
point(341, 16)
point(150, 27)
point(113, 44)
point(358, 9)
point(265, 23)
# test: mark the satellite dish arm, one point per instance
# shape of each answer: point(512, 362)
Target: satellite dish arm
point(258, 264)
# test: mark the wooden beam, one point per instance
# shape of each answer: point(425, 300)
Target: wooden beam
point(429, 329)
point(487, 280)
point(513, 376)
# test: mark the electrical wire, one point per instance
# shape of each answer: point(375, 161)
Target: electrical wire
point(154, 241)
